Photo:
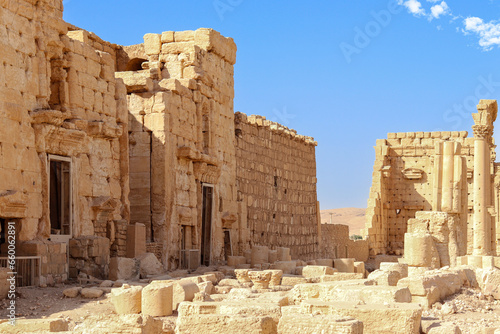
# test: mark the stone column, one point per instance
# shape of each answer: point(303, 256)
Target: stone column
point(448, 173)
point(482, 220)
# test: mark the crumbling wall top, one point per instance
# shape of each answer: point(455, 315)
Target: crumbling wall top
point(257, 120)
point(177, 42)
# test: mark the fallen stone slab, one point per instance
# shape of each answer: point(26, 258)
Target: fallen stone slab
point(345, 265)
point(385, 277)
point(394, 318)
point(317, 271)
point(294, 280)
point(225, 324)
point(312, 324)
point(402, 268)
point(91, 293)
point(72, 292)
point(324, 262)
point(354, 290)
point(367, 294)
point(184, 290)
point(234, 283)
point(341, 277)
point(436, 285)
point(251, 308)
point(35, 326)
point(106, 284)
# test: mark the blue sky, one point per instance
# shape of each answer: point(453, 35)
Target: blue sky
point(346, 72)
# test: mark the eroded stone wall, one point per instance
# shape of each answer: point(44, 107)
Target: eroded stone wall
point(276, 181)
point(182, 138)
point(59, 102)
point(408, 177)
point(336, 244)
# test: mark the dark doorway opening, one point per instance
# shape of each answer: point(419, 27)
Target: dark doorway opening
point(60, 198)
point(206, 224)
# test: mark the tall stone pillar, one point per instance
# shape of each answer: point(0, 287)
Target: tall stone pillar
point(448, 176)
point(483, 131)
point(482, 237)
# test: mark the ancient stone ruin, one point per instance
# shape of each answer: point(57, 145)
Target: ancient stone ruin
point(128, 183)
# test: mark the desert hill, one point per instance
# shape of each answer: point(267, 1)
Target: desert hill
point(353, 217)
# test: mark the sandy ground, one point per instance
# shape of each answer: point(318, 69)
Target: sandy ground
point(352, 217)
point(470, 310)
point(85, 316)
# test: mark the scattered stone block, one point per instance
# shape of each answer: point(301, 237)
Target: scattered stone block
point(315, 323)
point(341, 277)
point(283, 254)
point(91, 293)
point(276, 276)
point(149, 264)
point(382, 277)
point(106, 284)
point(294, 280)
point(344, 265)
point(402, 268)
point(359, 267)
point(234, 261)
point(206, 287)
point(394, 318)
point(420, 250)
point(127, 299)
point(218, 275)
point(316, 271)
point(288, 267)
point(324, 262)
point(260, 255)
point(273, 256)
point(489, 281)
point(242, 275)
point(234, 283)
point(225, 324)
point(260, 279)
point(122, 268)
point(184, 290)
point(72, 292)
point(157, 299)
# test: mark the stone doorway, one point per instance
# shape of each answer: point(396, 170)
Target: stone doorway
point(60, 194)
point(206, 223)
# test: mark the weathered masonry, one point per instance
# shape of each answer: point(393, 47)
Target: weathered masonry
point(204, 182)
point(276, 182)
point(63, 139)
point(443, 172)
point(96, 137)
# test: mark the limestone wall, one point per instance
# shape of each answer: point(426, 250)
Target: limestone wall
point(408, 177)
point(336, 243)
point(151, 143)
point(59, 101)
point(182, 138)
point(276, 180)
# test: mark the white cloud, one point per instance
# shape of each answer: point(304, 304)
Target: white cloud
point(413, 6)
point(488, 32)
point(439, 10)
